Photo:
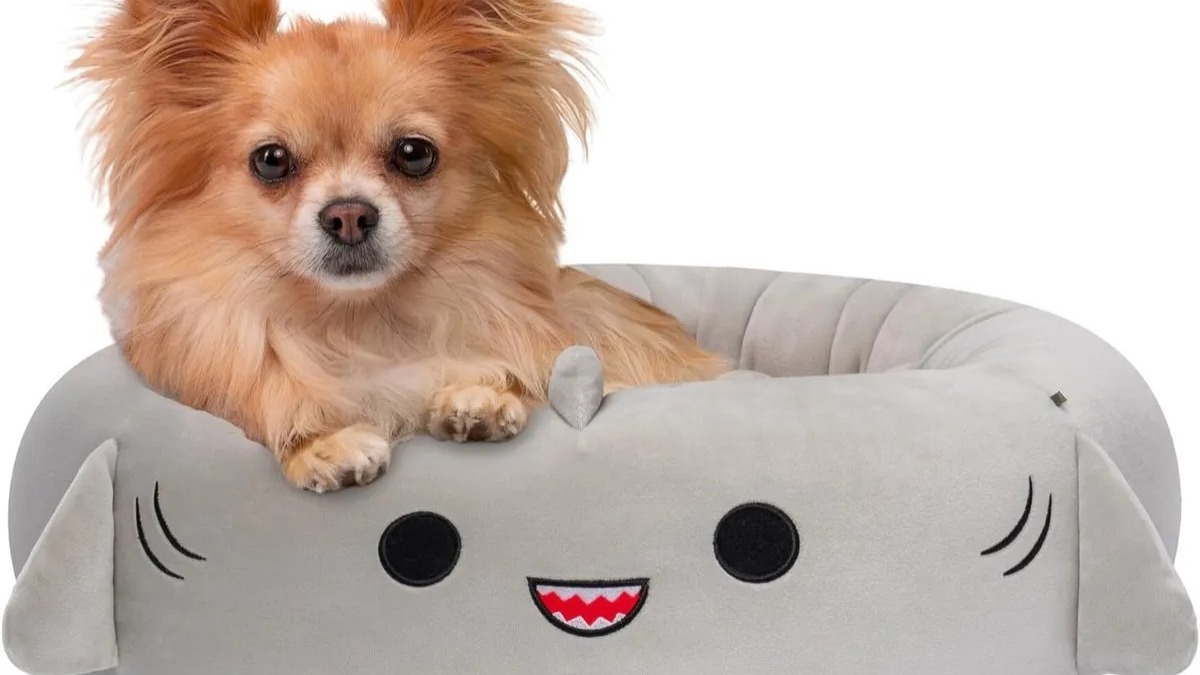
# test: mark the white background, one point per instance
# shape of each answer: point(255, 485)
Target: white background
point(1046, 151)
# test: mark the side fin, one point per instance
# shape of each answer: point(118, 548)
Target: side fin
point(1135, 617)
point(59, 620)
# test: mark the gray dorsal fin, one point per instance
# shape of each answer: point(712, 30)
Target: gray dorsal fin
point(577, 386)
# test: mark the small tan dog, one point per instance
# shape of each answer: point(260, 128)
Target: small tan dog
point(339, 235)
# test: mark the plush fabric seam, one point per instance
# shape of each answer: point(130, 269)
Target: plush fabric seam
point(837, 328)
point(1078, 548)
point(961, 328)
point(750, 319)
point(645, 282)
point(887, 318)
point(702, 302)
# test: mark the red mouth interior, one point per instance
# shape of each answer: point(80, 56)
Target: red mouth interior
point(590, 609)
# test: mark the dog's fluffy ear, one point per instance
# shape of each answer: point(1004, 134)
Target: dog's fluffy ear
point(175, 47)
point(523, 63)
point(414, 15)
point(159, 65)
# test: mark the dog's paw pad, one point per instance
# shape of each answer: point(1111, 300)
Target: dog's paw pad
point(353, 456)
point(476, 413)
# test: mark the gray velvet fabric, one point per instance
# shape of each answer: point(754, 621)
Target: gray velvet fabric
point(577, 389)
point(1134, 614)
point(59, 620)
point(91, 403)
point(905, 432)
point(802, 324)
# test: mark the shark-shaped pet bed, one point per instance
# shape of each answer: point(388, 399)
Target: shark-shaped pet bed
point(928, 483)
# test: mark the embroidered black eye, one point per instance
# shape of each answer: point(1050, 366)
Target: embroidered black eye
point(415, 157)
point(420, 549)
point(272, 163)
point(757, 543)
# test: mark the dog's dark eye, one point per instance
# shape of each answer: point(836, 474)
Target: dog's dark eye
point(757, 543)
point(272, 163)
point(415, 157)
point(420, 549)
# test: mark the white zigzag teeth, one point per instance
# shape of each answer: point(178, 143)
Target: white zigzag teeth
point(589, 595)
point(579, 623)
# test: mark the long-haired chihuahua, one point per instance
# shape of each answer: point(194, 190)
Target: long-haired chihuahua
point(338, 236)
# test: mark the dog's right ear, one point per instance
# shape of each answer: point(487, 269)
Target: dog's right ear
point(159, 65)
point(176, 47)
point(60, 618)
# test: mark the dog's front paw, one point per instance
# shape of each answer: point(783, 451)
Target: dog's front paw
point(476, 413)
point(353, 456)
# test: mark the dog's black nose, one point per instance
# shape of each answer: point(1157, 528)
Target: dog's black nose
point(349, 221)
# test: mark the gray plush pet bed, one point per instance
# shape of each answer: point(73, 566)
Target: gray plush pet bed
point(929, 483)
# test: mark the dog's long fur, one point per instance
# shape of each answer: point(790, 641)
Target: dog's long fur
point(207, 286)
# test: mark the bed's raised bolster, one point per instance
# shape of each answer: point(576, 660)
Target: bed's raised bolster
point(891, 462)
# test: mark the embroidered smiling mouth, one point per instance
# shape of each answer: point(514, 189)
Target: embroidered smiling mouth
point(589, 608)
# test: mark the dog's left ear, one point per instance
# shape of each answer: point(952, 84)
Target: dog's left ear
point(521, 67)
point(527, 16)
